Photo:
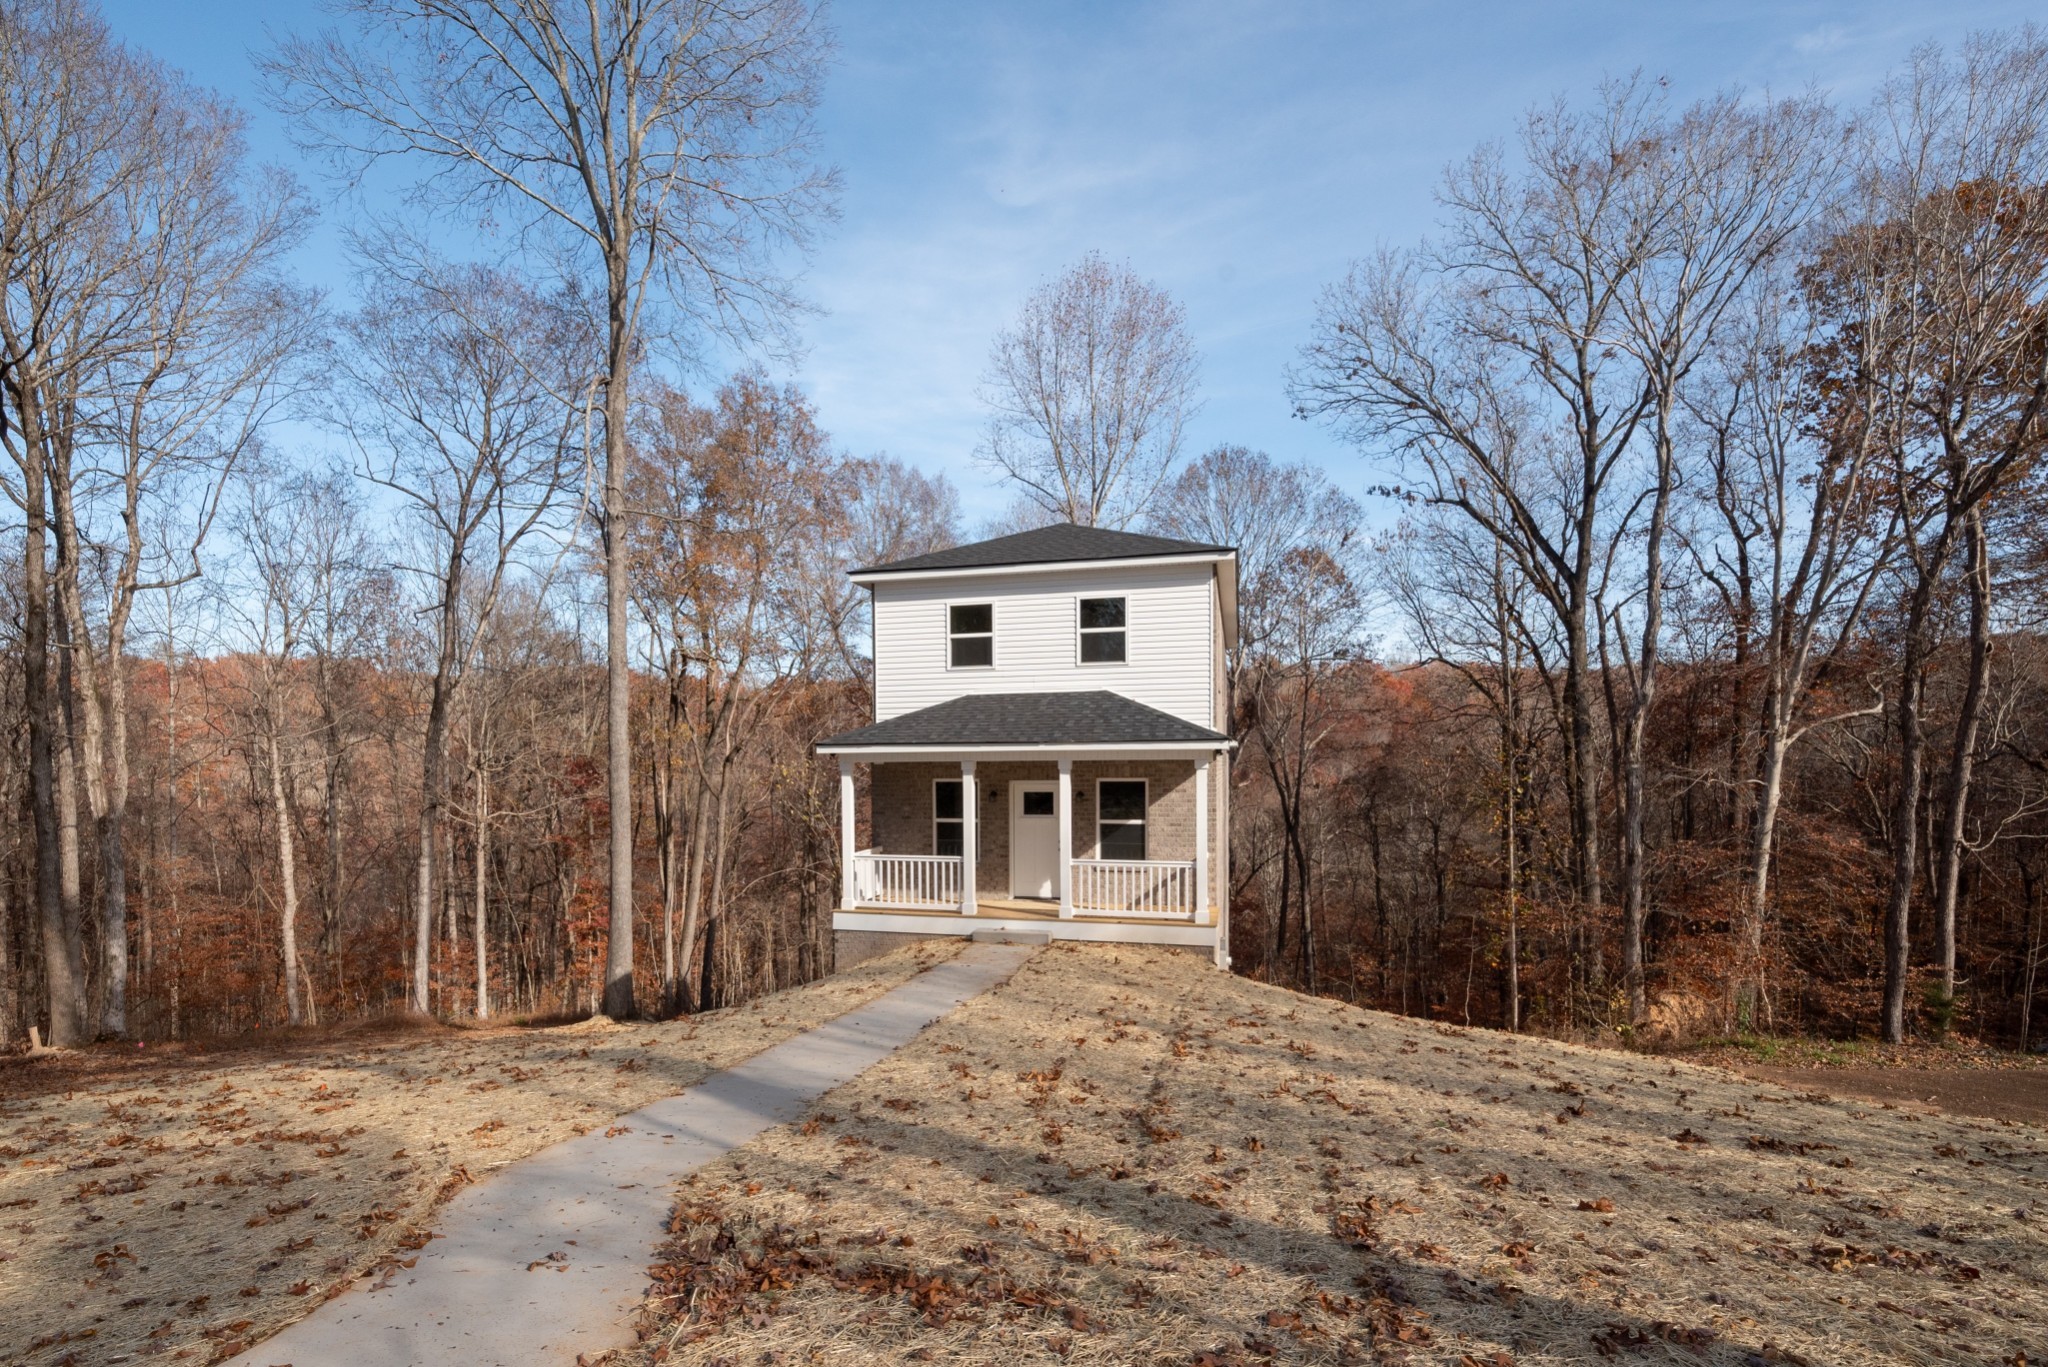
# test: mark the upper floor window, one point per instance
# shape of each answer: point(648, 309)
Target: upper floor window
point(971, 635)
point(1102, 631)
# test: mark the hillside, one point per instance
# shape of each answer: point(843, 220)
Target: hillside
point(186, 1204)
point(1124, 1157)
point(1120, 1156)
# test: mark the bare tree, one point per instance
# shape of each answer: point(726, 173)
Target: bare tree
point(1526, 373)
point(1469, 611)
point(352, 619)
point(1729, 191)
point(664, 144)
point(1088, 394)
point(1484, 367)
point(737, 489)
point(1266, 509)
point(212, 330)
point(293, 529)
point(450, 388)
point(1795, 538)
point(1934, 295)
point(142, 332)
point(1303, 604)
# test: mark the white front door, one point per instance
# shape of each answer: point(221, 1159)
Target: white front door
point(1034, 839)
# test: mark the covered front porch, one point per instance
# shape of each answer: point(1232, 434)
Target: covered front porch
point(1060, 839)
point(1113, 842)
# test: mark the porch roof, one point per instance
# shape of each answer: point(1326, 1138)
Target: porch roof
point(1051, 719)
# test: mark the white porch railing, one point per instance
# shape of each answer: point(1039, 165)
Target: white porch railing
point(1162, 888)
point(913, 881)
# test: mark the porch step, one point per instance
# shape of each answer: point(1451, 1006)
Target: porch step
point(994, 936)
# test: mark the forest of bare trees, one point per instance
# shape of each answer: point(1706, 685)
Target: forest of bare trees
point(1668, 659)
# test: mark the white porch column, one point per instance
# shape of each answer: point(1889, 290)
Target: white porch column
point(1065, 821)
point(969, 836)
point(848, 887)
point(1202, 837)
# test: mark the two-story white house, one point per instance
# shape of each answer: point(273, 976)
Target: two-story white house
point(1049, 751)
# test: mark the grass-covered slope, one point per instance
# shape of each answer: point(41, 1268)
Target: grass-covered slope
point(1123, 1156)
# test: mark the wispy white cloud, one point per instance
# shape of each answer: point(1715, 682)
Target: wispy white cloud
point(1240, 154)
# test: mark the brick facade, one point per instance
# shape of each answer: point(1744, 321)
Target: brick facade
point(900, 806)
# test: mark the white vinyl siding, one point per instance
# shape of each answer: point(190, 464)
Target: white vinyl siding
point(1170, 615)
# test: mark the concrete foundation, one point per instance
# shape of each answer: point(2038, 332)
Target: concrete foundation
point(850, 947)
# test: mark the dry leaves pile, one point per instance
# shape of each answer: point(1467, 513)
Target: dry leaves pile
point(184, 1214)
point(1123, 1156)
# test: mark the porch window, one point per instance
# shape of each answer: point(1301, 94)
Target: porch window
point(1120, 818)
point(1102, 631)
point(946, 817)
point(971, 635)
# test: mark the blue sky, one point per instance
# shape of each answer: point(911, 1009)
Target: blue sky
point(1238, 154)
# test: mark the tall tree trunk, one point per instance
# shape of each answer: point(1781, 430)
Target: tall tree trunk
point(483, 855)
point(431, 783)
point(1898, 945)
point(665, 793)
point(1634, 853)
point(9, 1000)
point(1583, 769)
point(63, 955)
point(2031, 890)
point(70, 882)
point(96, 702)
point(335, 761)
point(1510, 855)
point(287, 868)
point(692, 873)
point(1511, 797)
point(1763, 835)
point(1376, 843)
point(707, 985)
point(721, 846)
point(1286, 908)
point(1962, 755)
point(433, 773)
point(174, 878)
point(1298, 851)
point(618, 984)
point(113, 844)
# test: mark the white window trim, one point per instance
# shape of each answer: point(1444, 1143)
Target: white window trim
point(960, 820)
point(947, 622)
point(1144, 821)
point(1080, 631)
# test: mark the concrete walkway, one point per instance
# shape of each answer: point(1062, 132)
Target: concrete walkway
point(548, 1258)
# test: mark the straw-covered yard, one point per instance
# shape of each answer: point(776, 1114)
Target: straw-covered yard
point(1123, 1156)
point(179, 1209)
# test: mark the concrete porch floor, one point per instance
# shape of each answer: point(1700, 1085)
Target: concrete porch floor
point(1033, 908)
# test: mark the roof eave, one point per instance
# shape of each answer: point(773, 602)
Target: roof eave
point(875, 574)
point(1039, 750)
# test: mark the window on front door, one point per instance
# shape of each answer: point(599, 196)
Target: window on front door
point(1120, 822)
point(946, 817)
point(1102, 631)
point(971, 635)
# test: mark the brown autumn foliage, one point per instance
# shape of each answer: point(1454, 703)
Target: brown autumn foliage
point(1410, 893)
point(1536, 828)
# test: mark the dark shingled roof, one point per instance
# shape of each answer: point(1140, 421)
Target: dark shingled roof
point(1096, 718)
point(1061, 541)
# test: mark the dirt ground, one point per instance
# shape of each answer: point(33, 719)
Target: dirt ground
point(1124, 1157)
point(1997, 1094)
point(182, 1205)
